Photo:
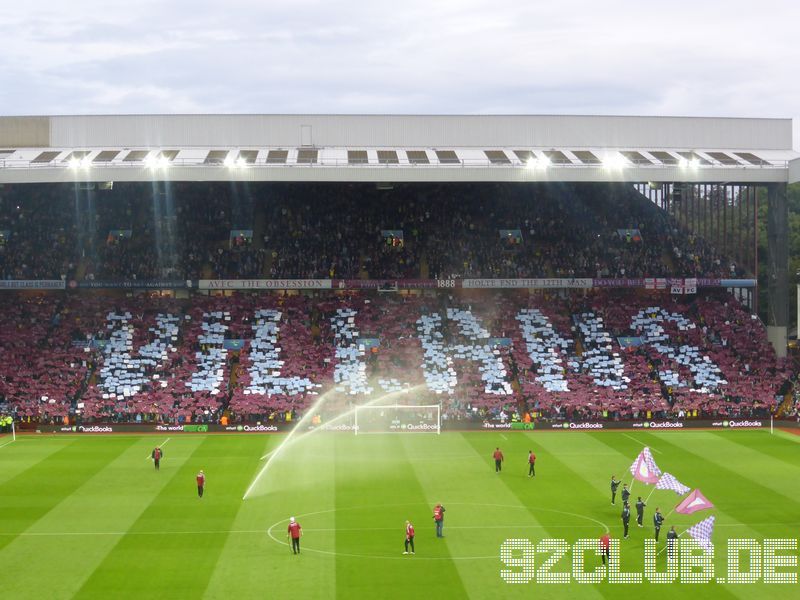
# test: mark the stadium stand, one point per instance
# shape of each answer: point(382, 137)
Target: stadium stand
point(267, 356)
point(183, 231)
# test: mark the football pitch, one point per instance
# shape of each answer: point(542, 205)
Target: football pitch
point(89, 517)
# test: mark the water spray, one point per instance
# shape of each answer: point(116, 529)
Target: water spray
point(291, 438)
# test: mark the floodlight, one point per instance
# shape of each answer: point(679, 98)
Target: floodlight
point(228, 162)
point(74, 163)
point(613, 161)
point(537, 163)
point(240, 162)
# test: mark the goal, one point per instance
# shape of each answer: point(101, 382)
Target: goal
point(398, 418)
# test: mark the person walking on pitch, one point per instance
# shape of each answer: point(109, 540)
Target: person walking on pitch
point(626, 494)
point(614, 486)
point(605, 542)
point(201, 483)
point(531, 464)
point(498, 460)
point(658, 520)
point(640, 504)
point(409, 537)
point(294, 532)
point(626, 517)
point(438, 519)
point(156, 455)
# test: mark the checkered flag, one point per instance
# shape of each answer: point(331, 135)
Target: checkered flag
point(651, 463)
point(701, 533)
point(668, 482)
point(644, 468)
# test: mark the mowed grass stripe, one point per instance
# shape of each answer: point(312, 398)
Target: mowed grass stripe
point(772, 452)
point(378, 481)
point(572, 475)
point(108, 502)
point(792, 435)
point(179, 566)
point(692, 457)
point(373, 472)
point(549, 497)
point(677, 460)
point(300, 480)
point(31, 494)
point(739, 491)
point(585, 481)
point(470, 493)
point(508, 505)
point(576, 473)
point(27, 451)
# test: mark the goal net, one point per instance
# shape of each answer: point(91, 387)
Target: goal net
point(398, 419)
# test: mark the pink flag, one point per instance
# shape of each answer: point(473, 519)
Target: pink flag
point(692, 503)
point(644, 468)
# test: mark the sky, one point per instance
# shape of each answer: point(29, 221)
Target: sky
point(699, 58)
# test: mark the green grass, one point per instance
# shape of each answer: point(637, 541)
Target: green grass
point(88, 517)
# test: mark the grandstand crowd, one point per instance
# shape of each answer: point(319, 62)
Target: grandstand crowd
point(106, 356)
point(184, 231)
point(71, 356)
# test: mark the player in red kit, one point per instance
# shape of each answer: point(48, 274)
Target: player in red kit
point(498, 460)
point(156, 456)
point(531, 464)
point(409, 537)
point(605, 542)
point(294, 531)
point(201, 483)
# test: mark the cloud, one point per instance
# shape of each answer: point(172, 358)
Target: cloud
point(467, 56)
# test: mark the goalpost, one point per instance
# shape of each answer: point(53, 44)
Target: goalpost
point(398, 418)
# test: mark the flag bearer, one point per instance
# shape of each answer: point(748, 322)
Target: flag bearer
point(626, 517)
point(640, 504)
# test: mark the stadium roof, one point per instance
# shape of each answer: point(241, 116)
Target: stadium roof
point(393, 148)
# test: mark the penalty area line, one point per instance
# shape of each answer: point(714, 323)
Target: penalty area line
point(7, 443)
point(161, 445)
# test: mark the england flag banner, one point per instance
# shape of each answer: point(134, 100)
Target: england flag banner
point(644, 468)
point(692, 503)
